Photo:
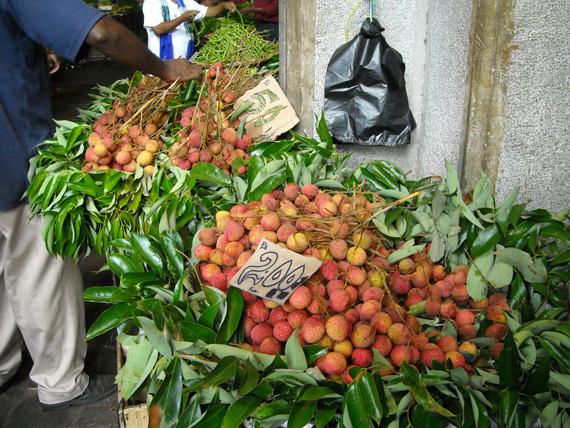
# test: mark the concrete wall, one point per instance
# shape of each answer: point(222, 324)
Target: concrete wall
point(536, 123)
point(434, 38)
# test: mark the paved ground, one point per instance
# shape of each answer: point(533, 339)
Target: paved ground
point(19, 406)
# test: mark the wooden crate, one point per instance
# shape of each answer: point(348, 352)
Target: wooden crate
point(130, 415)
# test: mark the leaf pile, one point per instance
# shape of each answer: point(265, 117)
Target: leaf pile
point(196, 374)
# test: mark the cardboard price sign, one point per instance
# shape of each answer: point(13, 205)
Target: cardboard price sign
point(271, 113)
point(274, 272)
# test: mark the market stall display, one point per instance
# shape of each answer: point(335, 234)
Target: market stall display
point(131, 130)
point(430, 307)
point(468, 327)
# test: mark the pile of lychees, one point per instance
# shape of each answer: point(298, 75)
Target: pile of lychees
point(128, 133)
point(356, 302)
point(207, 134)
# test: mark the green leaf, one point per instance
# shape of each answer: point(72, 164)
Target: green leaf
point(369, 396)
point(476, 284)
point(260, 361)
point(111, 318)
point(411, 378)
point(452, 179)
point(133, 372)
point(207, 172)
point(224, 371)
point(355, 408)
point(234, 312)
point(560, 258)
point(193, 331)
point(249, 380)
point(403, 253)
point(168, 395)
point(501, 274)
point(301, 414)
point(213, 417)
point(99, 294)
point(120, 264)
point(143, 247)
point(136, 278)
point(508, 401)
point(155, 337)
point(192, 413)
point(313, 352)
point(267, 186)
point(549, 413)
point(486, 240)
point(509, 365)
point(240, 411)
point(557, 352)
point(532, 271)
point(425, 419)
point(174, 258)
point(324, 415)
point(209, 316)
point(518, 292)
point(318, 393)
point(294, 353)
point(538, 378)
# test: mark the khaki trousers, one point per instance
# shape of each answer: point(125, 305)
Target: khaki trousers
point(41, 307)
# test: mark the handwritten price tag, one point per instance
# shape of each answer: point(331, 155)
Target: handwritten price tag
point(274, 272)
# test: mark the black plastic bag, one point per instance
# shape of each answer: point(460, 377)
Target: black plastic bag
point(365, 92)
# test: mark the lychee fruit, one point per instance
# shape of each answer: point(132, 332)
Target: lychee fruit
point(456, 358)
point(338, 249)
point(432, 352)
point(339, 300)
point(383, 344)
point(361, 357)
point(334, 363)
point(496, 331)
point(301, 297)
point(282, 330)
point(297, 317)
point(356, 256)
point(297, 242)
point(447, 343)
point(344, 347)
point(399, 334)
point(312, 330)
point(337, 328)
point(259, 312)
point(260, 332)
point(270, 345)
point(363, 335)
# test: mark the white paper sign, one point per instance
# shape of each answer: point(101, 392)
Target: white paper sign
point(274, 272)
point(271, 113)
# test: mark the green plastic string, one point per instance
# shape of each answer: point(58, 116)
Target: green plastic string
point(348, 20)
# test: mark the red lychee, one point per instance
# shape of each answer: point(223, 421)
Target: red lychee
point(399, 334)
point(361, 357)
point(334, 363)
point(312, 330)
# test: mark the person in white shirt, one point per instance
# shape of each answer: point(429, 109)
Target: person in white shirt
point(169, 25)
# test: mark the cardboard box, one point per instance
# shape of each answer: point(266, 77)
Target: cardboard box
point(130, 415)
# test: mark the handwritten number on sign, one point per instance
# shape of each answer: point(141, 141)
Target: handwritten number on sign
point(280, 279)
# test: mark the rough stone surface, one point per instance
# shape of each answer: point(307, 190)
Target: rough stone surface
point(534, 147)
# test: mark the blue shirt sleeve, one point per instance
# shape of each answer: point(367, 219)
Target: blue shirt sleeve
point(61, 25)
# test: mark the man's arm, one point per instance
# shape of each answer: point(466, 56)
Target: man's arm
point(219, 8)
point(119, 44)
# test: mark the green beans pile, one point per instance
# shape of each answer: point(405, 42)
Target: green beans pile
point(234, 42)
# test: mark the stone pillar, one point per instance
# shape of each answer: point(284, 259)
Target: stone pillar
point(297, 59)
point(489, 59)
